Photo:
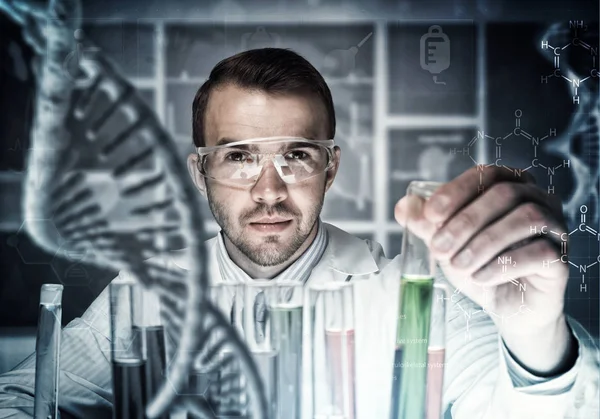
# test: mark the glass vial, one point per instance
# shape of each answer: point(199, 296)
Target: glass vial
point(47, 352)
point(436, 353)
point(414, 316)
point(332, 326)
point(138, 352)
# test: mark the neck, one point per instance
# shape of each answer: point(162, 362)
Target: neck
point(255, 271)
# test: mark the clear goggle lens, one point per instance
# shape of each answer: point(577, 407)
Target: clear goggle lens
point(241, 162)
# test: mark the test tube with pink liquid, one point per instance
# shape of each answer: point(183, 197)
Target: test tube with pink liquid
point(436, 353)
point(333, 351)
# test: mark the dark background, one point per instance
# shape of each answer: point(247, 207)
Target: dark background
point(394, 123)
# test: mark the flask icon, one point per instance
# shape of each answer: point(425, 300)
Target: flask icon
point(341, 62)
point(435, 52)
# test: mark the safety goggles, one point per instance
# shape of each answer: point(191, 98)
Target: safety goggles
point(241, 162)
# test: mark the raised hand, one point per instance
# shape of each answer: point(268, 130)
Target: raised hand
point(467, 231)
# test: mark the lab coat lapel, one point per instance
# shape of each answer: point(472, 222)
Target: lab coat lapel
point(346, 256)
point(180, 258)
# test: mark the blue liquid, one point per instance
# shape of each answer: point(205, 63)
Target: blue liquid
point(47, 350)
point(129, 383)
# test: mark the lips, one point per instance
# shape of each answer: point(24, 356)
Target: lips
point(270, 225)
point(270, 220)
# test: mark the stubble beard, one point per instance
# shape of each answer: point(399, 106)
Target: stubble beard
point(272, 251)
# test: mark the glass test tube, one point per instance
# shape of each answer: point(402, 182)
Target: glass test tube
point(148, 324)
point(271, 313)
point(220, 384)
point(285, 302)
point(128, 368)
point(47, 351)
point(137, 347)
point(333, 354)
point(436, 353)
point(414, 315)
point(268, 314)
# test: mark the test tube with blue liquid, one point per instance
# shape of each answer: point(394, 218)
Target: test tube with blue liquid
point(47, 352)
point(137, 347)
point(414, 316)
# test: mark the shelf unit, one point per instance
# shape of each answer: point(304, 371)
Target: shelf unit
point(378, 226)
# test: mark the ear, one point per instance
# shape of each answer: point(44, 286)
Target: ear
point(197, 178)
point(337, 154)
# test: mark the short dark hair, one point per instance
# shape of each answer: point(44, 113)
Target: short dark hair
point(272, 70)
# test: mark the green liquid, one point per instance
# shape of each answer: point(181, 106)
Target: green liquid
point(410, 363)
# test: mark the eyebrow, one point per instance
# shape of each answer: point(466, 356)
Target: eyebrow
point(226, 140)
point(302, 145)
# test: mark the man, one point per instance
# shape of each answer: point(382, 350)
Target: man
point(262, 124)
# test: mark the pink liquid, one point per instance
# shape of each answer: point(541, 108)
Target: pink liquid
point(435, 382)
point(342, 367)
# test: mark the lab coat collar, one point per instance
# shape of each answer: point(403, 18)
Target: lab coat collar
point(345, 256)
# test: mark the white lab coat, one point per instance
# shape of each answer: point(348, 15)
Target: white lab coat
point(476, 381)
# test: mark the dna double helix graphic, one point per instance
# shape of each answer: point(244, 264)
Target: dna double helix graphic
point(580, 140)
point(107, 175)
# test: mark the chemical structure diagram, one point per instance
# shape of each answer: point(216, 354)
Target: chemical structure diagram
point(506, 262)
point(456, 299)
point(575, 42)
point(499, 141)
point(581, 228)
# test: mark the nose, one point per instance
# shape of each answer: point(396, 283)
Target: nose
point(269, 188)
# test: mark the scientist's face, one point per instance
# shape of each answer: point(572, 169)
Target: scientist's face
point(270, 221)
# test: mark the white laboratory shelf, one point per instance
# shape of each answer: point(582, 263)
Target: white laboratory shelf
point(431, 121)
point(146, 83)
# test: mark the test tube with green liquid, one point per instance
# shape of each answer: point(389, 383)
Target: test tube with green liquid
point(414, 316)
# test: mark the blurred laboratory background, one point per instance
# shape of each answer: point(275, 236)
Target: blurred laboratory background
point(495, 93)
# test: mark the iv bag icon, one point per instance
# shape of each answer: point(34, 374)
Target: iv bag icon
point(435, 52)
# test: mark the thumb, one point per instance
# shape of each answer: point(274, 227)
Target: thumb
point(409, 214)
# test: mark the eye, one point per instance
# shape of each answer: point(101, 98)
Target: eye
point(297, 155)
point(238, 156)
